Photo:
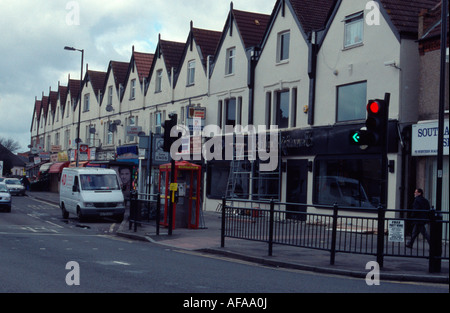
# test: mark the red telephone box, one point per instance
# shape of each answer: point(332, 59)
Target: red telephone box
point(186, 213)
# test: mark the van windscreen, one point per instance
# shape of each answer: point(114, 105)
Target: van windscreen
point(99, 182)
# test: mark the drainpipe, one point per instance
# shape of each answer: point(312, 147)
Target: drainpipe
point(251, 85)
point(312, 68)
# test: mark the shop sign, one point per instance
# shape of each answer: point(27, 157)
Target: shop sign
point(425, 138)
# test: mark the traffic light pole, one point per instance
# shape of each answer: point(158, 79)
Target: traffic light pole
point(384, 183)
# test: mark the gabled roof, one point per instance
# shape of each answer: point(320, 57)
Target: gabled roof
point(36, 113)
point(172, 52)
point(73, 87)
point(62, 96)
point(53, 99)
point(206, 40)
point(310, 15)
point(97, 80)
point(252, 26)
point(44, 106)
point(404, 14)
point(143, 62)
point(120, 72)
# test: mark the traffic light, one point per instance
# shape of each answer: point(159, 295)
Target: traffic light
point(360, 138)
point(377, 121)
point(168, 125)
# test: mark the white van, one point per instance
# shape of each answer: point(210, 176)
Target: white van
point(89, 192)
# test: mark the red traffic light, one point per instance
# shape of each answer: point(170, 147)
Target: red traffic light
point(373, 107)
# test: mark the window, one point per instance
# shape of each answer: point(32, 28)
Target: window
point(109, 133)
point(57, 139)
point(230, 113)
point(66, 139)
point(68, 108)
point(131, 121)
point(191, 73)
point(353, 34)
point(90, 135)
point(57, 114)
point(230, 61)
point(158, 83)
point(351, 102)
point(133, 89)
point(158, 118)
point(283, 46)
point(347, 181)
point(86, 102)
point(110, 95)
point(282, 112)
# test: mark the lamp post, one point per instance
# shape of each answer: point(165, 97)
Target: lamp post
point(77, 140)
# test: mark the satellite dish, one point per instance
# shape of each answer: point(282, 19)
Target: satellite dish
point(109, 108)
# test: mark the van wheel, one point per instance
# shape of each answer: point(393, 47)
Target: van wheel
point(65, 214)
point(79, 215)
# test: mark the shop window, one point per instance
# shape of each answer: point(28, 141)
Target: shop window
point(217, 179)
point(347, 181)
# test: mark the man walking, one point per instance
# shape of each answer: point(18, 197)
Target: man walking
point(421, 208)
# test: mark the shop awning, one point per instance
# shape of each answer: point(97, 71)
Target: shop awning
point(58, 167)
point(45, 167)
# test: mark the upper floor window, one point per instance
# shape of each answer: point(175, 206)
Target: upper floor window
point(351, 102)
point(283, 44)
point(86, 102)
point(133, 89)
point(354, 26)
point(230, 61)
point(110, 95)
point(191, 73)
point(158, 83)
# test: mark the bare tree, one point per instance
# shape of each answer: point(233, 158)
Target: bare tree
point(10, 144)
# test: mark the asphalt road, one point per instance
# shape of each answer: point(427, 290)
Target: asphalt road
point(41, 252)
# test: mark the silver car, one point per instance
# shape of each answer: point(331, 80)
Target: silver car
point(14, 186)
point(5, 198)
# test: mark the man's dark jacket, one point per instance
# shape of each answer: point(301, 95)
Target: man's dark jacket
point(423, 206)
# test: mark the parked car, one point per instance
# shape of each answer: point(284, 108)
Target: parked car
point(14, 186)
point(5, 198)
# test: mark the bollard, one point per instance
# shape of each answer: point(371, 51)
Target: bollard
point(334, 234)
point(271, 222)
point(380, 235)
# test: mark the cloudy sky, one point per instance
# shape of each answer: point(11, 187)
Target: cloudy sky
point(34, 33)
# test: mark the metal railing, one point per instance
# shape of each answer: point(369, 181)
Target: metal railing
point(144, 209)
point(336, 230)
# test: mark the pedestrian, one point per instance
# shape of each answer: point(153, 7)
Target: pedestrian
point(421, 208)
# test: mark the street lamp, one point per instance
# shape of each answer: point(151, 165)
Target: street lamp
point(79, 109)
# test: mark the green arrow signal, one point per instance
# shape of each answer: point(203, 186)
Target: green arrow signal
point(356, 137)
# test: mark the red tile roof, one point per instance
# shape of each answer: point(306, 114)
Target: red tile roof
point(172, 52)
point(119, 70)
point(143, 63)
point(313, 14)
point(53, 99)
point(207, 40)
point(252, 26)
point(97, 80)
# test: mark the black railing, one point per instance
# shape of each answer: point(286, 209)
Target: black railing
point(337, 230)
point(144, 209)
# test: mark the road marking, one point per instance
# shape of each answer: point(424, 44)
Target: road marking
point(121, 263)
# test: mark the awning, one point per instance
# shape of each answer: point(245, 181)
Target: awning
point(58, 167)
point(45, 167)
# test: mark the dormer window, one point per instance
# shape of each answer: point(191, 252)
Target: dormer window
point(230, 61)
point(133, 89)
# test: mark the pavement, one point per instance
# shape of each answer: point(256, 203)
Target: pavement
point(207, 241)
